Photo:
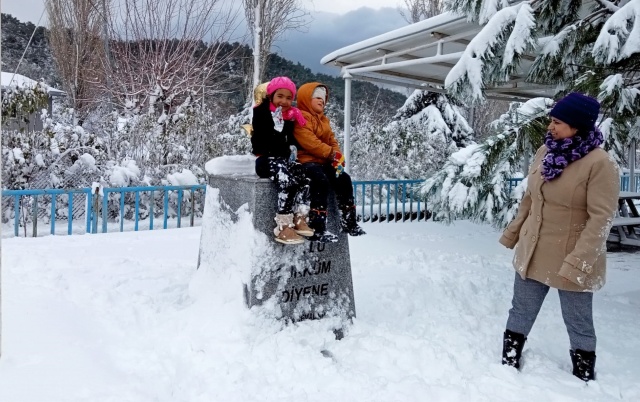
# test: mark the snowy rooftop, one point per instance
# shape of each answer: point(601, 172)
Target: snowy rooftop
point(22, 81)
point(423, 53)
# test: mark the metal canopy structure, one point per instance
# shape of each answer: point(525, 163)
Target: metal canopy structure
point(420, 56)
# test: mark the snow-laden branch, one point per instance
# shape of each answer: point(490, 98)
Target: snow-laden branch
point(68, 151)
point(554, 44)
point(626, 98)
point(471, 185)
point(616, 41)
point(468, 76)
point(608, 5)
point(489, 8)
point(521, 36)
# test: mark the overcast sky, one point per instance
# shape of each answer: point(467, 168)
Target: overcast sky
point(333, 24)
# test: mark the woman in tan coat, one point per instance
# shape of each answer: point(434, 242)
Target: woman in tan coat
point(561, 229)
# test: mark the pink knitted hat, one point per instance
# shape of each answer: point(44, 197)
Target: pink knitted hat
point(281, 83)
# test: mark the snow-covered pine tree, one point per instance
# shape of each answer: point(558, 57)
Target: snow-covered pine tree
point(591, 47)
point(421, 135)
point(471, 185)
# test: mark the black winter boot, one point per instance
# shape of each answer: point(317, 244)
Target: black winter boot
point(512, 345)
point(318, 222)
point(584, 364)
point(348, 221)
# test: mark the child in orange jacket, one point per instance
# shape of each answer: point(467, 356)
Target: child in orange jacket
point(323, 163)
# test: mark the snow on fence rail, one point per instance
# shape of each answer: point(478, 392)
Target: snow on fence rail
point(44, 211)
point(40, 209)
point(390, 200)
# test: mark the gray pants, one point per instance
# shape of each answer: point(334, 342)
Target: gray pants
point(577, 312)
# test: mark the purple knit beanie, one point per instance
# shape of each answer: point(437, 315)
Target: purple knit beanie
point(281, 83)
point(577, 110)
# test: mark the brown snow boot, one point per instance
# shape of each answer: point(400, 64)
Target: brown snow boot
point(300, 225)
point(284, 231)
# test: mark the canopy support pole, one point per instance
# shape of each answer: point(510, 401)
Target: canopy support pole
point(347, 120)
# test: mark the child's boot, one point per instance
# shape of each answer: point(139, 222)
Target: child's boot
point(300, 225)
point(284, 231)
point(348, 221)
point(318, 221)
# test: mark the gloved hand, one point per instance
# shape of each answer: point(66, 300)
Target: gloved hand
point(338, 163)
point(294, 153)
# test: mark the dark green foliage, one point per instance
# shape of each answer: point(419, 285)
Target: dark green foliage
point(555, 14)
point(472, 184)
point(38, 61)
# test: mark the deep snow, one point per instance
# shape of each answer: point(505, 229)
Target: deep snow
point(126, 317)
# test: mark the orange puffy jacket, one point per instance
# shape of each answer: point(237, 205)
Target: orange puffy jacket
point(316, 139)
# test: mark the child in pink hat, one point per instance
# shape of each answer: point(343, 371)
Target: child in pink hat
point(274, 145)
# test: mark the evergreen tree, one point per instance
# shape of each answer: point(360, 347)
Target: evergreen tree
point(472, 183)
point(591, 47)
point(421, 135)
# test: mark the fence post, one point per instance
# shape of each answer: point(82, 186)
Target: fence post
point(179, 207)
point(70, 215)
point(96, 208)
point(35, 216)
point(105, 209)
point(193, 203)
point(53, 214)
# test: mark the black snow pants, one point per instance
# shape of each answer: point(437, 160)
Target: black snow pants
point(322, 176)
point(289, 178)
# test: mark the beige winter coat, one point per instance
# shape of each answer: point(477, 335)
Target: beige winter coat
point(562, 225)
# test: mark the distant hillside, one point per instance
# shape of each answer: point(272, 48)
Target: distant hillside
point(360, 91)
point(39, 63)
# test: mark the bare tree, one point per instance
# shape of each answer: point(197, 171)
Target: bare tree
point(166, 50)
point(165, 56)
point(76, 45)
point(418, 10)
point(481, 117)
point(268, 20)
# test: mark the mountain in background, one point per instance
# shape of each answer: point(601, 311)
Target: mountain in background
point(38, 64)
point(38, 61)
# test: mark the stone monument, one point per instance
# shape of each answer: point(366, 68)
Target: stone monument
point(299, 282)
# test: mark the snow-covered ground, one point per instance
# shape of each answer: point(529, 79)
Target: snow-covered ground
point(118, 317)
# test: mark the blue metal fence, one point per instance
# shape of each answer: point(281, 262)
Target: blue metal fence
point(624, 182)
point(376, 201)
point(111, 204)
point(390, 200)
point(514, 182)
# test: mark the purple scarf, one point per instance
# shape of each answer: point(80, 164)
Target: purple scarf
point(560, 153)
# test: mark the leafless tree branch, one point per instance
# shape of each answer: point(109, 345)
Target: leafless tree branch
point(276, 18)
point(418, 10)
point(164, 51)
point(76, 45)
